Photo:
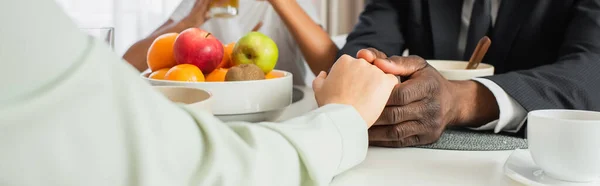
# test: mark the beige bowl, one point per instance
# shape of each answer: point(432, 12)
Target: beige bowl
point(196, 99)
point(252, 101)
point(456, 70)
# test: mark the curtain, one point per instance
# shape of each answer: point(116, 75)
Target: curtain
point(341, 15)
point(132, 20)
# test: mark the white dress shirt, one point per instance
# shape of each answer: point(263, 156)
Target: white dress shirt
point(251, 12)
point(72, 113)
point(512, 114)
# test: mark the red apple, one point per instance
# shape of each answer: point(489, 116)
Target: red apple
point(198, 47)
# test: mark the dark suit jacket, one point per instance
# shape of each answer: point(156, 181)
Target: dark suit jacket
point(546, 52)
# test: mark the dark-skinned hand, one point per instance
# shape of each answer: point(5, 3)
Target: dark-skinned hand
point(424, 104)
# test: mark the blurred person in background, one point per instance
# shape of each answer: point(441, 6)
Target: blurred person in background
point(293, 24)
point(73, 113)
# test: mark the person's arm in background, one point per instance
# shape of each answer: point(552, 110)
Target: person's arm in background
point(97, 123)
point(316, 46)
point(136, 54)
point(379, 27)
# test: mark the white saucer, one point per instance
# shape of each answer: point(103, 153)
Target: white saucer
point(520, 167)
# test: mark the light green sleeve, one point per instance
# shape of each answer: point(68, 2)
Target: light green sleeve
point(73, 113)
point(311, 149)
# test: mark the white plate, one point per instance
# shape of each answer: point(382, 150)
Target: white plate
point(195, 99)
point(253, 117)
point(520, 167)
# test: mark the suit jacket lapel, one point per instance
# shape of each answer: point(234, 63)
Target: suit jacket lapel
point(511, 15)
point(445, 18)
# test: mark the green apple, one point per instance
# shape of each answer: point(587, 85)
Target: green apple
point(258, 49)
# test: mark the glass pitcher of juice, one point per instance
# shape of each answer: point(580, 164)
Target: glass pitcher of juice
point(224, 8)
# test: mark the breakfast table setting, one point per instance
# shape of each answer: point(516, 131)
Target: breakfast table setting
point(460, 157)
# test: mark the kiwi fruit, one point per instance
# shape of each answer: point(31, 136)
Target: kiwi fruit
point(244, 72)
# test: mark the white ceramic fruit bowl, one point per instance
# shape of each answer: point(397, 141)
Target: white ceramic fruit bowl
point(257, 100)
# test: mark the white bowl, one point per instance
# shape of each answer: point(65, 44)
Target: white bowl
point(256, 100)
point(456, 70)
point(196, 99)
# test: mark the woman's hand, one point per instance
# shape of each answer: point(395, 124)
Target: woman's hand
point(357, 83)
point(198, 15)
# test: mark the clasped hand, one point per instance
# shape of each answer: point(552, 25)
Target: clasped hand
point(413, 112)
point(419, 109)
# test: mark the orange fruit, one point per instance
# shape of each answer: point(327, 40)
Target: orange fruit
point(160, 54)
point(185, 72)
point(226, 61)
point(217, 75)
point(159, 74)
point(273, 74)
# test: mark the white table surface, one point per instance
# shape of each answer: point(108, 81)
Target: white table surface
point(416, 166)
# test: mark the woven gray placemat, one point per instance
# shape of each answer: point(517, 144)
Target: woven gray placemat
point(454, 139)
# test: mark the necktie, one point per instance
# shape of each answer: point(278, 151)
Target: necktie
point(479, 25)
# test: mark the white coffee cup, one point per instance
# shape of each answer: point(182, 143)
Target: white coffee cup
point(565, 143)
point(456, 70)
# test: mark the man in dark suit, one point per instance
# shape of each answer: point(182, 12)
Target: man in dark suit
point(546, 54)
